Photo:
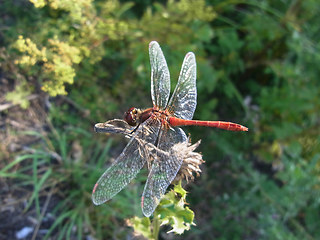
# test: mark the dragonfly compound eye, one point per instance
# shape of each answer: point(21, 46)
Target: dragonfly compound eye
point(130, 116)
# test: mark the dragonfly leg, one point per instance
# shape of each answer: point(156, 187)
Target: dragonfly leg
point(135, 129)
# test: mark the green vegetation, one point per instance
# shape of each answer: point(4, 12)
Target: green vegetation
point(66, 65)
point(170, 211)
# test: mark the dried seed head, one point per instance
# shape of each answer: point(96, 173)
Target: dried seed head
point(191, 160)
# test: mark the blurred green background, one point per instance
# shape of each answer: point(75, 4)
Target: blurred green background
point(66, 65)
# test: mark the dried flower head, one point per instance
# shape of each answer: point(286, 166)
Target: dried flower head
point(191, 160)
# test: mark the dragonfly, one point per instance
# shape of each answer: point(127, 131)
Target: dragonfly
point(159, 127)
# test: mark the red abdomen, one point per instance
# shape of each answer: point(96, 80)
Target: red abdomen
point(217, 124)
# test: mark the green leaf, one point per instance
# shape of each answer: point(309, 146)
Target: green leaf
point(141, 226)
point(178, 189)
point(172, 210)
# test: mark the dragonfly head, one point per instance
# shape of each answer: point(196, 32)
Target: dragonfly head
point(132, 116)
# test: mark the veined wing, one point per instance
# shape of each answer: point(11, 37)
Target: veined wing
point(184, 98)
point(160, 76)
point(164, 169)
point(128, 164)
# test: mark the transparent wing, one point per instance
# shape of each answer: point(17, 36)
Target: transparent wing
point(164, 169)
point(160, 76)
point(114, 126)
point(184, 98)
point(128, 164)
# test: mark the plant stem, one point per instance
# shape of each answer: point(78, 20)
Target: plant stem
point(156, 227)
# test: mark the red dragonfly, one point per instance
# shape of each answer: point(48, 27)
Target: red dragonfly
point(158, 126)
